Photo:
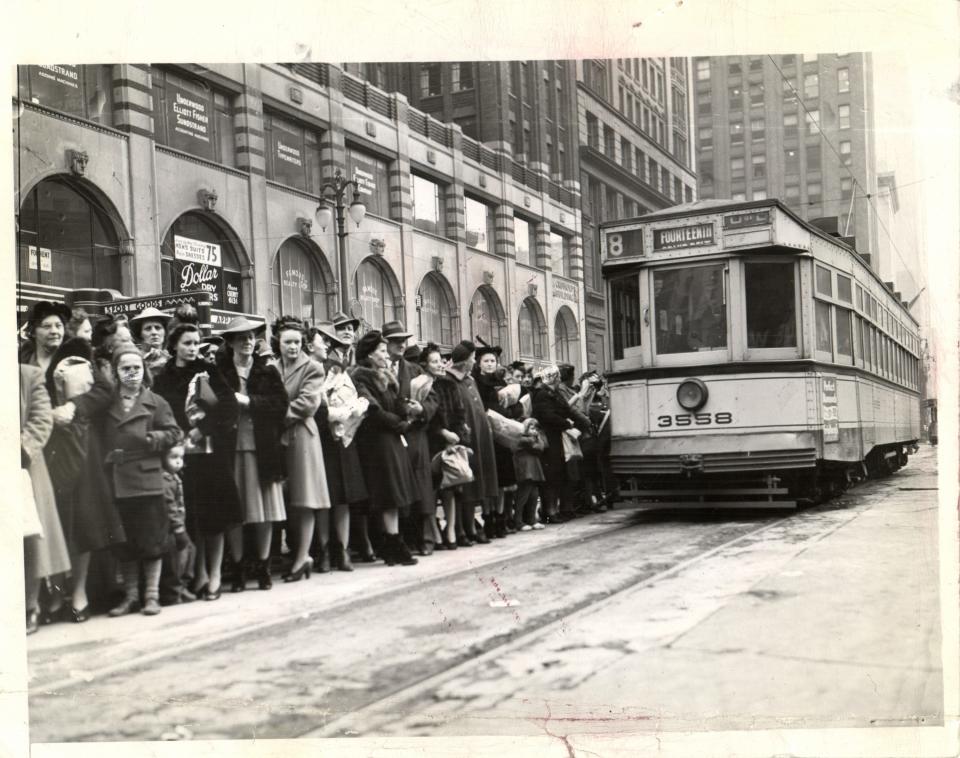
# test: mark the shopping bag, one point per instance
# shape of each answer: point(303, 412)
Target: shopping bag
point(453, 466)
point(571, 445)
point(506, 431)
point(31, 519)
point(73, 376)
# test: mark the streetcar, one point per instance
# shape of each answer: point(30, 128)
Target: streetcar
point(755, 360)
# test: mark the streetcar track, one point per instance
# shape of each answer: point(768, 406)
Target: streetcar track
point(238, 634)
point(393, 701)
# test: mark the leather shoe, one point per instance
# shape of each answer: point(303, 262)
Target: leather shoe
point(208, 595)
point(122, 609)
point(33, 621)
point(80, 615)
point(151, 607)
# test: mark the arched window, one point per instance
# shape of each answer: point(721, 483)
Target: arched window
point(486, 316)
point(566, 338)
point(532, 328)
point(197, 255)
point(66, 238)
point(376, 289)
point(301, 282)
point(435, 310)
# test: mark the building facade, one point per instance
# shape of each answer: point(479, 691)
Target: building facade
point(635, 157)
point(795, 127)
point(136, 180)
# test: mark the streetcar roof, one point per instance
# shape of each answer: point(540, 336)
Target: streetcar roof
point(687, 210)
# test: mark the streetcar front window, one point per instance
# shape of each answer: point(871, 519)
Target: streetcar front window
point(625, 313)
point(691, 311)
point(771, 305)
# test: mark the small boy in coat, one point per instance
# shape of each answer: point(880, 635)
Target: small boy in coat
point(529, 471)
point(179, 558)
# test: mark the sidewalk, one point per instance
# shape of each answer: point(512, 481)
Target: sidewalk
point(63, 654)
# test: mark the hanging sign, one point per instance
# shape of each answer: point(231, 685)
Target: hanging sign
point(198, 265)
point(196, 251)
point(46, 259)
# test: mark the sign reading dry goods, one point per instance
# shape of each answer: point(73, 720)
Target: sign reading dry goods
point(744, 220)
point(699, 235)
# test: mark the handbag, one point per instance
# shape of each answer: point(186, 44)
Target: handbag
point(31, 518)
point(453, 466)
point(65, 453)
point(571, 445)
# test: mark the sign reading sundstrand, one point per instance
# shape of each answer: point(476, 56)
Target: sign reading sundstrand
point(699, 235)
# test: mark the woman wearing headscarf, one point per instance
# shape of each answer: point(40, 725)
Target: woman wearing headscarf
point(259, 467)
point(483, 490)
point(307, 492)
point(337, 418)
point(383, 456)
point(206, 410)
point(136, 430)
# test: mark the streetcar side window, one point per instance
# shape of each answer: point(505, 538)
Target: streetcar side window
point(690, 307)
point(824, 330)
point(844, 333)
point(625, 313)
point(771, 304)
point(824, 285)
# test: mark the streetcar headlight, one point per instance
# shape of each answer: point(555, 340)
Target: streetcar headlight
point(692, 394)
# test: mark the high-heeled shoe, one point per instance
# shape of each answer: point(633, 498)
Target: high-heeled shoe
point(464, 541)
point(211, 596)
point(449, 544)
point(368, 556)
point(301, 573)
point(79, 615)
point(33, 621)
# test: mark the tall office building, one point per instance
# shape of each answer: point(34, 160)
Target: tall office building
point(635, 157)
point(619, 126)
point(795, 127)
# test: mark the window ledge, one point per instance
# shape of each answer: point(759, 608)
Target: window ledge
point(201, 161)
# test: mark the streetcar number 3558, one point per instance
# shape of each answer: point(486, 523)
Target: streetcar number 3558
point(695, 419)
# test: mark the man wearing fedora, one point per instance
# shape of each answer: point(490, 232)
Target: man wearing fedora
point(346, 328)
point(420, 528)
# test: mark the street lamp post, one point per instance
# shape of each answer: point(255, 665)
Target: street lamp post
point(334, 191)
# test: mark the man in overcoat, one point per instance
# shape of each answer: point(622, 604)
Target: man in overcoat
point(555, 415)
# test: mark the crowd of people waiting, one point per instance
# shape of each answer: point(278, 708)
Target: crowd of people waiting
point(161, 465)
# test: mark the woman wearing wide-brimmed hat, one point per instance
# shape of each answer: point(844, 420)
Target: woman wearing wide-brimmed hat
point(306, 475)
point(149, 330)
point(386, 464)
point(259, 459)
point(339, 414)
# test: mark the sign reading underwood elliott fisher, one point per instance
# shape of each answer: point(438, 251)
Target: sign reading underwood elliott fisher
point(698, 235)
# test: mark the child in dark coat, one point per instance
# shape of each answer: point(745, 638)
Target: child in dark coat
point(179, 558)
point(529, 470)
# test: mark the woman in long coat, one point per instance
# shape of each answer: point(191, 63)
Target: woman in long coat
point(483, 490)
point(45, 554)
point(259, 468)
point(136, 430)
point(490, 380)
point(446, 427)
point(386, 464)
point(306, 475)
point(340, 459)
point(209, 491)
